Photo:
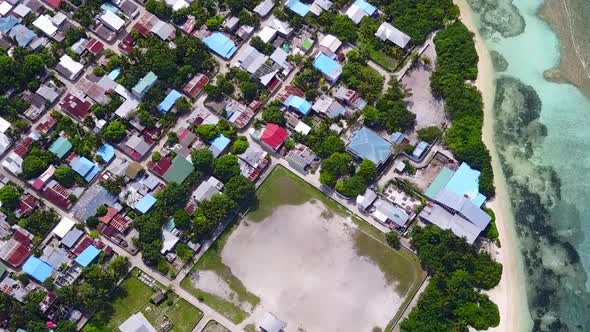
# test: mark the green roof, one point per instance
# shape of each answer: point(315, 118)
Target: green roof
point(2, 269)
point(439, 182)
point(180, 170)
point(60, 147)
point(307, 44)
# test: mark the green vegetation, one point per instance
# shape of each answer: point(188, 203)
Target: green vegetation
point(457, 62)
point(261, 46)
point(491, 232)
point(309, 80)
point(453, 299)
point(430, 134)
point(335, 167)
point(393, 240)
point(358, 76)
point(390, 112)
point(240, 145)
point(40, 222)
point(321, 140)
point(9, 196)
point(213, 326)
point(272, 113)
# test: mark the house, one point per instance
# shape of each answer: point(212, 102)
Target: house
point(44, 23)
point(63, 227)
point(269, 323)
point(69, 68)
point(137, 147)
point(195, 85)
point(267, 34)
point(169, 101)
point(137, 323)
point(26, 206)
point(48, 93)
point(329, 67)
point(57, 194)
point(218, 145)
point(367, 144)
point(330, 43)
point(145, 203)
point(464, 182)
point(220, 44)
point(273, 136)
point(13, 163)
point(296, 124)
point(159, 167)
point(88, 256)
point(255, 157)
point(298, 7)
point(37, 269)
point(359, 9)
point(207, 189)
point(60, 147)
point(106, 152)
point(22, 35)
point(129, 8)
point(318, 6)
point(437, 215)
point(282, 27)
point(281, 58)
point(17, 248)
point(328, 107)
point(349, 97)
point(112, 21)
point(85, 168)
point(419, 150)
point(94, 46)
point(144, 85)
point(388, 213)
point(301, 158)
point(71, 237)
point(158, 298)
point(231, 23)
point(163, 30)
point(264, 7)
point(364, 201)
point(7, 23)
point(388, 32)
point(5, 7)
point(75, 106)
point(40, 181)
point(179, 171)
point(298, 104)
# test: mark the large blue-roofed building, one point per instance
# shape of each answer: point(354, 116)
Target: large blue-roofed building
point(367, 144)
point(86, 168)
point(463, 182)
point(299, 104)
point(220, 44)
point(218, 145)
point(37, 269)
point(146, 203)
point(169, 101)
point(22, 34)
point(328, 66)
point(106, 152)
point(6, 23)
point(298, 7)
point(88, 256)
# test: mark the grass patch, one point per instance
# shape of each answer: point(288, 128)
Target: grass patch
point(383, 59)
point(214, 326)
point(250, 328)
point(183, 314)
point(211, 261)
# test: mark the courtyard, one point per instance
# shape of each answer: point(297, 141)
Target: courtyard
point(309, 261)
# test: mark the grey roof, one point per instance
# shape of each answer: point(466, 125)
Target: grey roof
point(393, 213)
point(270, 323)
point(207, 189)
point(251, 60)
point(57, 258)
point(387, 31)
point(128, 7)
point(279, 56)
point(47, 93)
point(365, 200)
point(301, 155)
point(253, 156)
point(264, 7)
point(71, 237)
point(442, 218)
point(151, 182)
point(94, 197)
point(474, 214)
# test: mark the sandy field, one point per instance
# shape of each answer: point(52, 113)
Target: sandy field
point(306, 270)
point(510, 294)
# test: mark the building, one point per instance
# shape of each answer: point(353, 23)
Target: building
point(85, 168)
point(273, 136)
point(329, 67)
point(360, 9)
point(269, 323)
point(106, 152)
point(330, 43)
point(298, 104)
point(328, 107)
point(111, 20)
point(349, 97)
point(37, 269)
point(63, 227)
point(195, 85)
point(22, 34)
point(437, 215)
point(145, 203)
point(264, 7)
point(388, 32)
point(298, 7)
point(219, 145)
point(419, 150)
point(169, 241)
point(364, 201)
point(464, 182)
point(301, 158)
point(68, 67)
point(220, 44)
point(179, 170)
point(367, 144)
point(144, 85)
point(388, 213)
point(88, 256)
point(137, 323)
point(137, 147)
point(75, 106)
point(60, 147)
point(44, 23)
point(57, 194)
point(166, 105)
point(48, 93)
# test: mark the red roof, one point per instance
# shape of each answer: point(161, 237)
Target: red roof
point(161, 166)
point(54, 3)
point(189, 24)
point(94, 46)
point(22, 148)
point(274, 135)
point(195, 85)
point(142, 29)
point(120, 223)
point(111, 212)
point(83, 245)
point(57, 195)
point(126, 45)
point(17, 255)
point(26, 206)
point(255, 105)
point(46, 125)
point(76, 107)
point(22, 238)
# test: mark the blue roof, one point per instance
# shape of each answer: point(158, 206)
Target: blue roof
point(106, 152)
point(397, 138)
point(419, 149)
point(22, 34)
point(169, 101)
point(298, 103)
point(145, 83)
point(298, 7)
point(37, 269)
point(220, 44)
point(87, 256)
point(465, 182)
point(367, 7)
point(6, 23)
point(219, 144)
point(60, 147)
point(367, 144)
point(328, 66)
point(86, 168)
point(146, 203)
point(114, 73)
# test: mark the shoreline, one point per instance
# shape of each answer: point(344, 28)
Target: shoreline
point(510, 294)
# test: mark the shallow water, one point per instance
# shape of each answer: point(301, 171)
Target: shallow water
point(543, 141)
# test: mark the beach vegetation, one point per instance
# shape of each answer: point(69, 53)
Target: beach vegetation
point(390, 112)
point(430, 134)
point(362, 78)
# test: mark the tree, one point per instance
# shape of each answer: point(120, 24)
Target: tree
point(217, 209)
point(226, 167)
point(151, 253)
point(181, 219)
point(120, 266)
point(214, 22)
point(9, 196)
point(65, 176)
point(207, 131)
point(429, 134)
point(343, 27)
point(352, 186)
point(337, 165)
point(146, 119)
point(102, 210)
point(156, 156)
point(261, 46)
point(33, 166)
point(249, 90)
point(184, 252)
point(393, 240)
point(183, 105)
point(66, 326)
point(272, 113)
point(202, 160)
point(240, 190)
point(115, 131)
point(367, 171)
point(240, 145)
point(40, 222)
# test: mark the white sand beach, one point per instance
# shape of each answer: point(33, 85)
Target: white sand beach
point(510, 294)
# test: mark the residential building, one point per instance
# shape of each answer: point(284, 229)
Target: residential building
point(298, 104)
point(330, 43)
point(85, 168)
point(328, 107)
point(78, 108)
point(21, 34)
point(112, 21)
point(219, 145)
point(166, 105)
point(193, 87)
point(273, 136)
point(207, 189)
point(302, 158)
point(60, 147)
point(364, 201)
point(68, 67)
point(179, 170)
point(144, 85)
point(419, 150)
point(264, 7)
point(360, 9)
point(298, 7)
point(388, 213)
point(145, 203)
point(349, 97)
point(220, 44)
point(367, 144)
point(137, 323)
point(37, 269)
point(270, 323)
point(44, 23)
point(388, 32)
point(329, 67)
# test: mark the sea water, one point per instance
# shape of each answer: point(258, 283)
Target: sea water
point(542, 134)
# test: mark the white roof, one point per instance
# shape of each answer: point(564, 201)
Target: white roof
point(302, 128)
point(112, 20)
point(267, 34)
point(45, 24)
point(71, 65)
point(5, 7)
point(270, 323)
point(21, 10)
point(356, 13)
point(331, 42)
point(13, 163)
point(137, 323)
point(4, 125)
point(169, 240)
point(59, 18)
point(63, 227)
point(387, 31)
point(179, 5)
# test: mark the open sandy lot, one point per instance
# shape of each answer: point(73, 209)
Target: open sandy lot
point(303, 263)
